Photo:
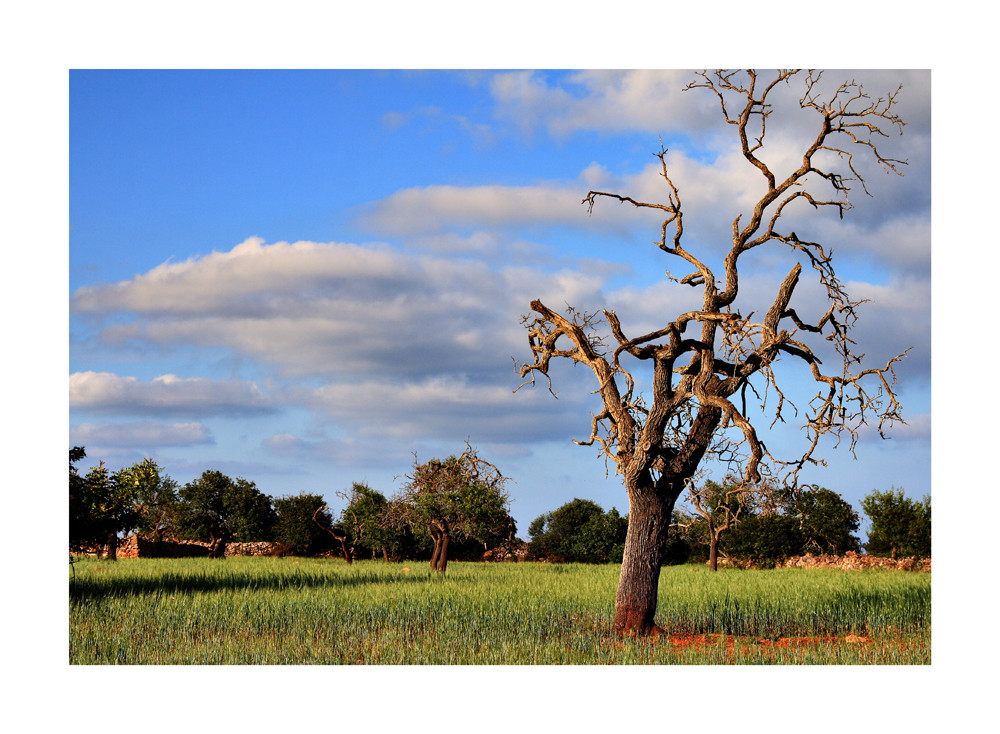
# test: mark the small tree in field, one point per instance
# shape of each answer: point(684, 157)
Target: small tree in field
point(324, 521)
point(827, 521)
point(462, 497)
point(578, 532)
point(701, 382)
point(721, 506)
point(900, 526)
point(155, 499)
point(294, 526)
point(101, 505)
point(218, 509)
point(364, 519)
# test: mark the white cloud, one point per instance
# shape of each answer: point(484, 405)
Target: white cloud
point(233, 281)
point(331, 309)
point(106, 392)
point(609, 101)
point(143, 434)
point(453, 408)
point(428, 209)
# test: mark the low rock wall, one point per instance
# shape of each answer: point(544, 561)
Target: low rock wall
point(136, 547)
point(852, 561)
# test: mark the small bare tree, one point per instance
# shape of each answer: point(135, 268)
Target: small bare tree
point(700, 382)
point(722, 505)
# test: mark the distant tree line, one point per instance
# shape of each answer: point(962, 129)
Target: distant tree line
point(759, 527)
point(455, 508)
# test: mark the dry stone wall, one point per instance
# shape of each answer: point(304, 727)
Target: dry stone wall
point(852, 561)
point(136, 547)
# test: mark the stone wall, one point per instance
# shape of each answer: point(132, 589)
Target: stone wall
point(852, 561)
point(511, 551)
point(136, 547)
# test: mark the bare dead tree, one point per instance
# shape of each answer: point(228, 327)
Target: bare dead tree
point(722, 505)
point(700, 383)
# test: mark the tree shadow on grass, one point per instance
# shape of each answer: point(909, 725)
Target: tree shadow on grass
point(178, 582)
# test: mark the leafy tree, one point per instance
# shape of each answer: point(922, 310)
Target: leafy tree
point(700, 383)
point(155, 499)
point(83, 522)
point(899, 525)
point(365, 522)
point(217, 509)
point(462, 496)
point(827, 521)
point(764, 538)
point(578, 531)
point(101, 505)
point(294, 524)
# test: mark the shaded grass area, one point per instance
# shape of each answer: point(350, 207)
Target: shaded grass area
point(321, 611)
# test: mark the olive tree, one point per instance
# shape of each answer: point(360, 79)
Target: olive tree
point(700, 381)
point(218, 509)
point(462, 497)
point(101, 505)
point(899, 525)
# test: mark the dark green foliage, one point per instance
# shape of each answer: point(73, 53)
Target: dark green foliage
point(155, 498)
point(365, 521)
point(899, 526)
point(579, 531)
point(101, 504)
point(764, 540)
point(678, 548)
point(456, 497)
point(294, 525)
point(214, 507)
point(827, 521)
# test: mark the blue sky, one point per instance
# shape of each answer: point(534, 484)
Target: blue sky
point(302, 278)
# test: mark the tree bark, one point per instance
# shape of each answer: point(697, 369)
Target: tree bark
point(713, 552)
point(648, 522)
point(437, 550)
point(443, 557)
point(348, 555)
point(113, 547)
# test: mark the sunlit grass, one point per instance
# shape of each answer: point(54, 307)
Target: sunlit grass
point(320, 611)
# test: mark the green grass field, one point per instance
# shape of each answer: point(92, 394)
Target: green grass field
point(320, 611)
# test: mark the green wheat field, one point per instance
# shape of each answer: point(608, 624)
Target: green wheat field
point(293, 611)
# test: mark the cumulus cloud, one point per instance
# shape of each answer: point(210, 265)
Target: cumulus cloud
point(233, 281)
point(609, 101)
point(142, 434)
point(452, 408)
point(420, 210)
point(329, 309)
point(109, 393)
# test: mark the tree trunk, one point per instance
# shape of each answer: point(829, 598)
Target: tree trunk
point(443, 557)
point(218, 548)
point(348, 556)
point(648, 523)
point(713, 551)
point(436, 552)
point(385, 554)
point(113, 547)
